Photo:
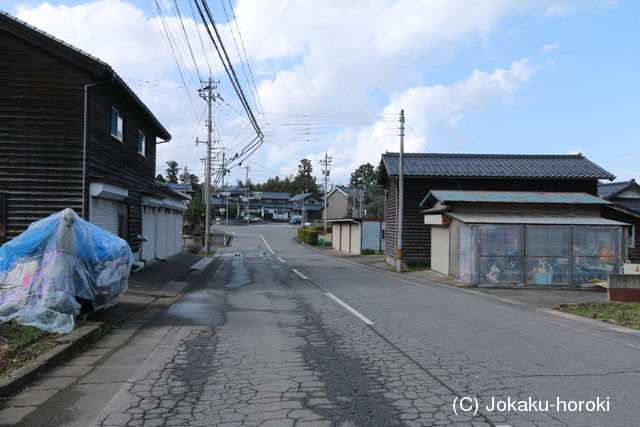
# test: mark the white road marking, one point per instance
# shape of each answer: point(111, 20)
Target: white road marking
point(443, 288)
point(265, 242)
point(300, 274)
point(281, 260)
point(348, 307)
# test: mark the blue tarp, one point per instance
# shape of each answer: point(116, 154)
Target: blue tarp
point(56, 260)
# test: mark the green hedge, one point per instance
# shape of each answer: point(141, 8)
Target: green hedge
point(308, 235)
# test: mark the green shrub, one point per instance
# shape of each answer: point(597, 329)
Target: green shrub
point(367, 252)
point(308, 235)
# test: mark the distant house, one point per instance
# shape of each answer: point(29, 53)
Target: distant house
point(624, 193)
point(424, 172)
point(272, 204)
point(625, 196)
point(74, 135)
point(181, 188)
point(341, 202)
point(308, 204)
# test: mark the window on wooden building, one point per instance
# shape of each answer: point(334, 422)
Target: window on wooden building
point(3, 214)
point(631, 236)
point(117, 124)
point(142, 143)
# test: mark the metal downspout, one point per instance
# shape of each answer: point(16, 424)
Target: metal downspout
point(85, 142)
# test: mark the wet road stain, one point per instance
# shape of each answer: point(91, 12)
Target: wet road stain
point(196, 310)
point(240, 274)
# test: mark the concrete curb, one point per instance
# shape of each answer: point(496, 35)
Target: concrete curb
point(17, 379)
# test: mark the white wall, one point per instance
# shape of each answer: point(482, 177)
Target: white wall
point(440, 249)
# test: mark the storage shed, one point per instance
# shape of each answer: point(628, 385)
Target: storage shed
point(525, 238)
point(353, 235)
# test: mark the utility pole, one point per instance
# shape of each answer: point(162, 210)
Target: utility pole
point(400, 196)
point(206, 93)
point(325, 172)
point(304, 219)
point(246, 194)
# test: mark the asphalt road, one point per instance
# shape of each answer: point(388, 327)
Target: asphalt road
point(274, 333)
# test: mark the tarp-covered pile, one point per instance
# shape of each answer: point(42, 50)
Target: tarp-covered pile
point(55, 260)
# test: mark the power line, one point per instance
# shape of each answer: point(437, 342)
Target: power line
point(175, 58)
point(272, 28)
point(243, 56)
point(226, 62)
point(186, 37)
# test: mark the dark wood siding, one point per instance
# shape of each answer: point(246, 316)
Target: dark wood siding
point(41, 105)
point(41, 134)
point(391, 219)
point(633, 253)
point(417, 236)
point(118, 162)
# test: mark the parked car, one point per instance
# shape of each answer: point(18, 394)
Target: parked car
point(252, 218)
point(295, 220)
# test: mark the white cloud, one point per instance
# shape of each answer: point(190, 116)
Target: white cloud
point(549, 47)
point(432, 109)
point(323, 55)
point(576, 151)
point(559, 9)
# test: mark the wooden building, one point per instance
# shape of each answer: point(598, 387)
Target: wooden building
point(625, 196)
point(424, 172)
point(72, 135)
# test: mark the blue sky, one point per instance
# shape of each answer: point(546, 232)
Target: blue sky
point(497, 76)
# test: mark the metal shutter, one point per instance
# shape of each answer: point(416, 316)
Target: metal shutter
point(104, 213)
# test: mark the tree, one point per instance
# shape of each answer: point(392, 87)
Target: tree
point(364, 176)
point(187, 178)
point(303, 181)
point(196, 210)
point(304, 168)
point(172, 172)
point(160, 178)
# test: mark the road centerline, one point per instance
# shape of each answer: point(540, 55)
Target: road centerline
point(265, 242)
point(349, 308)
point(300, 274)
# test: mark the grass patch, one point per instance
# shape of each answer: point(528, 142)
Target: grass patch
point(21, 344)
point(620, 313)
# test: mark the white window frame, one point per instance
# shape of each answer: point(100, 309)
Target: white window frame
point(142, 148)
point(119, 135)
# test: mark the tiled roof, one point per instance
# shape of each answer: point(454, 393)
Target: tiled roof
point(272, 195)
point(608, 189)
point(447, 196)
point(185, 187)
point(633, 204)
point(495, 165)
point(299, 197)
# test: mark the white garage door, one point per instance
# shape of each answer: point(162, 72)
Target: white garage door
point(104, 213)
point(149, 231)
point(161, 247)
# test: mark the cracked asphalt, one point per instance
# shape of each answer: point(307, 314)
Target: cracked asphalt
point(251, 342)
